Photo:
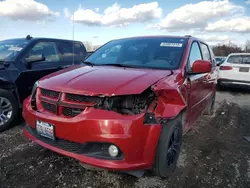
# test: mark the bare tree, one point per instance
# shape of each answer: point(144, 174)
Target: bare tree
point(95, 47)
point(226, 49)
point(247, 46)
point(88, 45)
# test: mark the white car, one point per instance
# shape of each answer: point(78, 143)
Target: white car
point(235, 71)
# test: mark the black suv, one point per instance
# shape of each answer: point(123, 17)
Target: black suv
point(24, 61)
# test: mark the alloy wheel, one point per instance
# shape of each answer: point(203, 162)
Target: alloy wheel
point(5, 110)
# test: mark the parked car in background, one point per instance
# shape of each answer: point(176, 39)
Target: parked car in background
point(23, 61)
point(235, 71)
point(128, 109)
point(219, 60)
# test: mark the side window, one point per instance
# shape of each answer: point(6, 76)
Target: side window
point(213, 58)
point(195, 54)
point(205, 52)
point(80, 51)
point(68, 51)
point(47, 49)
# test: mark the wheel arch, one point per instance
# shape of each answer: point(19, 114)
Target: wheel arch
point(10, 87)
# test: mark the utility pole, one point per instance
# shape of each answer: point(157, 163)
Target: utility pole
point(73, 36)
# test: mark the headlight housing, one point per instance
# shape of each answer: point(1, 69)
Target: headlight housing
point(33, 96)
point(34, 88)
point(128, 104)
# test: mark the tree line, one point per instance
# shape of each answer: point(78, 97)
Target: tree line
point(226, 49)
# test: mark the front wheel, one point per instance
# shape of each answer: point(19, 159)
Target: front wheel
point(8, 110)
point(168, 148)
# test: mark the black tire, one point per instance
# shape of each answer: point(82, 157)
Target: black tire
point(162, 167)
point(219, 87)
point(15, 110)
point(210, 109)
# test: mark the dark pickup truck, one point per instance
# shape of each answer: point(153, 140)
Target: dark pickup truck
point(23, 61)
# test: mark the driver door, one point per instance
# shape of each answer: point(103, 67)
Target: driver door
point(197, 86)
point(40, 69)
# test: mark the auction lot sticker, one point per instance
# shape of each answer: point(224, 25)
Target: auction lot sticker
point(169, 44)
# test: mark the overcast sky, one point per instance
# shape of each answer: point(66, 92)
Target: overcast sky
point(102, 20)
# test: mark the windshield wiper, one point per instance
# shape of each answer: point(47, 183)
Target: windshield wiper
point(119, 65)
point(88, 63)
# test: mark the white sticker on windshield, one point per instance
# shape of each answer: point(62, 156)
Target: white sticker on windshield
point(13, 48)
point(169, 44)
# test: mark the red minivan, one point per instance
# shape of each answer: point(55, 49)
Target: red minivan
point(127, 106)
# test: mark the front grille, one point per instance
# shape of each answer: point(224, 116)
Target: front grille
point(71, 112)
point(61, 106)
point(83, 98)
point(49, 93)
point(49, 107)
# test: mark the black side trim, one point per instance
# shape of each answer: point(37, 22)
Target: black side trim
point(227, 80)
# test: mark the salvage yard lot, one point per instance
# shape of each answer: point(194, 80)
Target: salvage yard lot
point(214, 154)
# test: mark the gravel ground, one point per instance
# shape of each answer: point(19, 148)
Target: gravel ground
point(214, 154)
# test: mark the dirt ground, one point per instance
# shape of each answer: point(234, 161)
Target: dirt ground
point(214, 154)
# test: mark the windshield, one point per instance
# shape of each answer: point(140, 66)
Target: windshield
point(159, 53)
point(9, 49)
point(239, 59)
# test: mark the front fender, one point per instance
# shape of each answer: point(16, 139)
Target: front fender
point(170, 103)
point(172, 97)
point(11, 87)
point(6, 84)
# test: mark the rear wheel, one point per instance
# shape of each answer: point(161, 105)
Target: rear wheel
point(8, 110)
point(168, 149)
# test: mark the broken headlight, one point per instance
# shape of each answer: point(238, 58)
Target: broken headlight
point(33, 96)
point(128, 104)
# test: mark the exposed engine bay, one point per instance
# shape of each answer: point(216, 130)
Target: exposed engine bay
point(129, 104)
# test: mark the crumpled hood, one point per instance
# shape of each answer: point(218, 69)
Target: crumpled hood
point(102, 80)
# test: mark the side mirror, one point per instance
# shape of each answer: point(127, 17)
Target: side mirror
point(34, 59)
point(201, 66)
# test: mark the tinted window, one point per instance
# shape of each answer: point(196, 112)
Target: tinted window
point(195, 54)
point(212, 56)
point(160, 53)
point(69, 52)
point(205, 52)
point(47, 49)
point(239, 59)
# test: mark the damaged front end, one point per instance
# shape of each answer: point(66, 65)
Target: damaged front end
point(128, 104)
point(159, 103)
point(156, 102)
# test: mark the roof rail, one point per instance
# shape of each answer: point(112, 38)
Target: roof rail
point(28, 37)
